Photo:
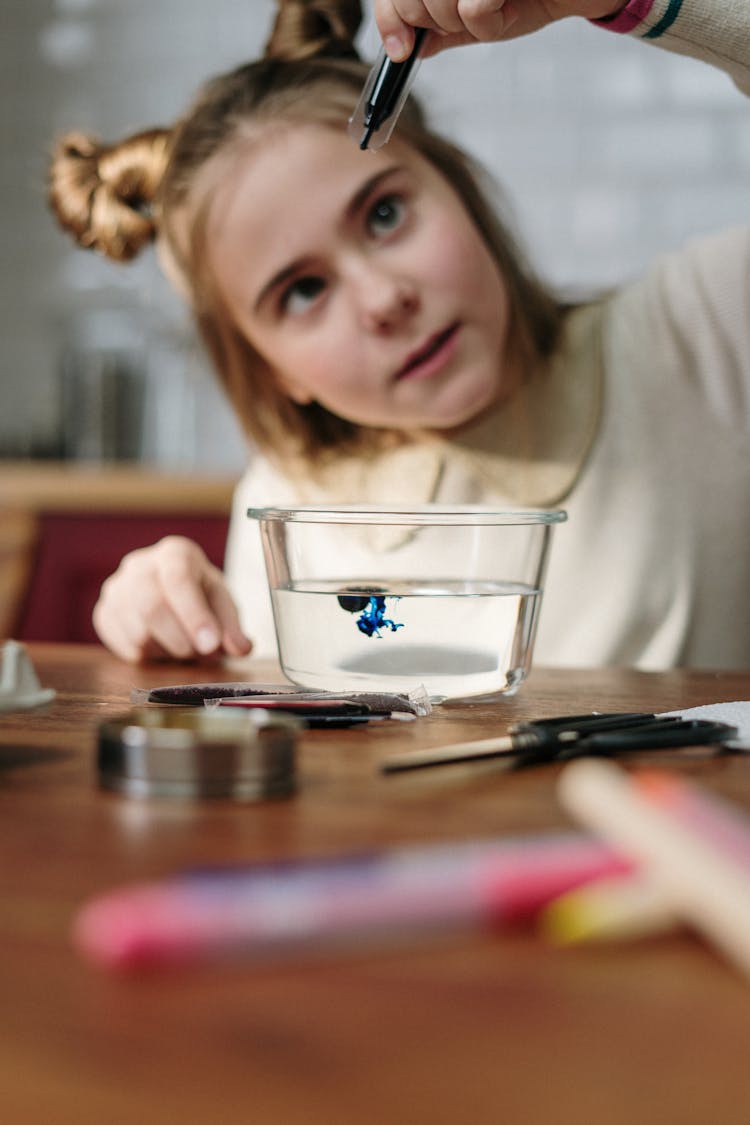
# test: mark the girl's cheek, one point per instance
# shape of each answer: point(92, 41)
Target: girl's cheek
point(445, 254)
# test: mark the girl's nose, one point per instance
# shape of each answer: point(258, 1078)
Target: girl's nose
point(386, 300)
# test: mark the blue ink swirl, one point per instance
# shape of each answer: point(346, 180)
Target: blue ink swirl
point(373, 618)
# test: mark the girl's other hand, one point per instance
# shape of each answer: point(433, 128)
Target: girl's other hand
point(455, 23)
point(168, 601)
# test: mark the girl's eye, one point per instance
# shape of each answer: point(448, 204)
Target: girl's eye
point(298, 296)
point(385, 215)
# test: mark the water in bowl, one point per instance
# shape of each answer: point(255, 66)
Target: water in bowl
point(457, 638)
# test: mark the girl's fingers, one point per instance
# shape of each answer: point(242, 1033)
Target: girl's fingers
point(136, 624)
point(182, 585)
point(195, 594)
point(486, 21)
point(452, 22)
point(114, 637)
point(233, 640)
point(168, 601)
point(396, 26)
point(163, 634)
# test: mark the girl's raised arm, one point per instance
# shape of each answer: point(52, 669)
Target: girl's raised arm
point(716, 31)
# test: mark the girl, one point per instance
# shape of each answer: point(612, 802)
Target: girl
point(383, 341)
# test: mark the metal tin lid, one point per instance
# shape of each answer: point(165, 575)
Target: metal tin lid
point(189, 753)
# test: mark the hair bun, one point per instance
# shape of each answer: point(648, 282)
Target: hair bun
point(102, 194)
point(305, 29)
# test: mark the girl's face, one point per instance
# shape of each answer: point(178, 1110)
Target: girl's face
point(361, 280)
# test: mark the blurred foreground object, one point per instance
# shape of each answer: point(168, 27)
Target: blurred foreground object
point(19, 683)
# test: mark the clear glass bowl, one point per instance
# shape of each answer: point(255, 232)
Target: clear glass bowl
point(387, 599)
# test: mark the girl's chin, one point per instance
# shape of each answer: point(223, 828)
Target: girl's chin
point(461, 415)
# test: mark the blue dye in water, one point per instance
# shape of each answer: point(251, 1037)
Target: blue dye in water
point(370, 605)
point(373, 618)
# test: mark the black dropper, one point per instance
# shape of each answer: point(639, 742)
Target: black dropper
point(388, 88)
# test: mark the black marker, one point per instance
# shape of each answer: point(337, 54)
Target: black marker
point(317, 712)
point(384, 94)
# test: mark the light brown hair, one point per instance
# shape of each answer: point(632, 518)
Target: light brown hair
point(116, 198)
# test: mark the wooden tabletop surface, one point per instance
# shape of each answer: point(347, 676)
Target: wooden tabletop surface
point(496, 1028)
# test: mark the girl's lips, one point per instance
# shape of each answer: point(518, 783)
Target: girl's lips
point(432, 355)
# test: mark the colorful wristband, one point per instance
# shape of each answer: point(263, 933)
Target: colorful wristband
point(628, 18)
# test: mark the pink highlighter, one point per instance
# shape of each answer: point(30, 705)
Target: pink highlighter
point(298, 907)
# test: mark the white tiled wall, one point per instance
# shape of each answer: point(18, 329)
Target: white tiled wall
point(610, 151)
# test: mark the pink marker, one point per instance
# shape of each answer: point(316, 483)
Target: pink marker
point(315, 905)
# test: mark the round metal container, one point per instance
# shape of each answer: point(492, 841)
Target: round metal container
point(197, 753)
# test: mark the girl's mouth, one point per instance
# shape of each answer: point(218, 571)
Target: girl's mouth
point(432, 356)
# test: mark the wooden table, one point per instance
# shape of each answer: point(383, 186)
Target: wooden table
point(483, 1028)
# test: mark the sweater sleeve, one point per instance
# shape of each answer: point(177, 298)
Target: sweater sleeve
point(717, 32)
point(689, 318)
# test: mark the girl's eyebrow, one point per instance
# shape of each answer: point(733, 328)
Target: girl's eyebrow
point(351, 209)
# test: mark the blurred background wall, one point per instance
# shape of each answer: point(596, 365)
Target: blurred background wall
point(609, 150)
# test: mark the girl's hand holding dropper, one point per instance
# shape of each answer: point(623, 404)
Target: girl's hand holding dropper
point(455, 23)
point(168, 601)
